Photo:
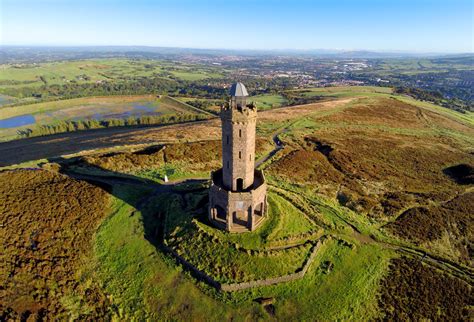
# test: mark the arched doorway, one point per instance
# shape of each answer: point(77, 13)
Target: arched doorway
point(221, 213)
point(259, 209)
point(240, 184)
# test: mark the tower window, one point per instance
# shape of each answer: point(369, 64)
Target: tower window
point(227, 164)
point(240, 133)
point(250, 157)
point(240, 154)
point(227, 139)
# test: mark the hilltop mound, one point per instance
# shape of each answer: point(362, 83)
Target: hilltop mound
point(368, 178)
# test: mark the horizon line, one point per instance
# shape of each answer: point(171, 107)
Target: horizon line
point(334, 50)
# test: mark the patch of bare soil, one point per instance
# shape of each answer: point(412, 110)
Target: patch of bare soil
point(46, 225)
point(413, 291)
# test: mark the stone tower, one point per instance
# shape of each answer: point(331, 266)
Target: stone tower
point(237, 197)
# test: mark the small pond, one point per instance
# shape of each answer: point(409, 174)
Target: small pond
point(4, 100)
point(135, 111)
point(17, 121)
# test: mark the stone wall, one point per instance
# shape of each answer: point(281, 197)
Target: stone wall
point(246, 285)
point(274, 280)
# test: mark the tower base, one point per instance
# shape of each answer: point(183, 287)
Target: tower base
point(237, 211)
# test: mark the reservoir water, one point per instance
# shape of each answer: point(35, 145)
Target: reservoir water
point(17, 121)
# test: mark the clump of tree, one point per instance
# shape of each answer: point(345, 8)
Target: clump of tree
point(296, 98)
point(435, 97)
point(72, 126)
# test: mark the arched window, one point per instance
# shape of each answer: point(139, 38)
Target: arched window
point(240, 133)
point(240, 154)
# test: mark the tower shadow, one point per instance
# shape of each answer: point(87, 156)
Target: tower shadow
point(140, 193)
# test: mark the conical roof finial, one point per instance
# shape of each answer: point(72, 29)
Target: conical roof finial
point(238, 90)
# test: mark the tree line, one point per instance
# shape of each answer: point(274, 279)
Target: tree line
point(138, 86)
point(72, 126)
point(435, 97)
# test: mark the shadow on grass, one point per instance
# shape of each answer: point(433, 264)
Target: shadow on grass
point(462, 174)
point(152, 199)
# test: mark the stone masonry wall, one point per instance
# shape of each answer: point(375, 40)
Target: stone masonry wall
point(245, 285)
point(238, 146)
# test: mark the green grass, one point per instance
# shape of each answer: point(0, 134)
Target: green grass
point(64, 72)
point(227, 260)
point(265, 102)
point(344, 91)
point(142, 281)
point(146, 284)
point(347, 292)
point(290, 221)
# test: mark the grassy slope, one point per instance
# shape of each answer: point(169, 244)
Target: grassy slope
point(290, 221)
point(140, 279)
point(265, 102)
point(143, 282)
point(346, 292)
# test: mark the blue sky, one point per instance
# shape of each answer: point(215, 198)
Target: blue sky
point(383, 25)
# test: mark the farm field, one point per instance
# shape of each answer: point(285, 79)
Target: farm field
point(344, 91)
point(354, 175)
point(95, 70)
point(265, 102)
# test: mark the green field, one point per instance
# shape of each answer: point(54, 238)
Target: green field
point(96, 70)
point(190, 75)
point(344, 91)
point(265, 102)
point(139, 277)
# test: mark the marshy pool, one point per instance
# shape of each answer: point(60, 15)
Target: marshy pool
point(17, 121)
point(4, 100)
point(103, 113)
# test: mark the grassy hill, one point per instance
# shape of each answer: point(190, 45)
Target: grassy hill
point(382, 181)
